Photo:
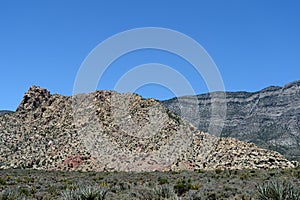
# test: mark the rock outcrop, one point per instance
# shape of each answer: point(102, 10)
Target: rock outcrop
point(269, 118)
point(108, 131)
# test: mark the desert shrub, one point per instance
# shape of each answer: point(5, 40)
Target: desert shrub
point(277, 190)
point(297, 172)
point(104, 184)
point(2, 181)
point(24, 191)
point(211, 196)
point(165, 192)
point(244, 176)
point(144, 193)
point(218, 171)
point(121, 186)
point(192, 195)
point(28, 180)
point(12, 194)
point(195, 186)
point(19, 180)
point(124, 186)
point(98, 178)
point(182, 186)
point(158, 192)
point(162, 181)
point(84, 193)
point(52, 190)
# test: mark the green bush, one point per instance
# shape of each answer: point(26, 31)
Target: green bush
point(52, 190)
point(162, 181)
point(244, 176)
point(2, 181)
point(182, 187)
point(195, 186)
point(218, 171)
point(24, 191)
point(297, 172)
point(277, 190)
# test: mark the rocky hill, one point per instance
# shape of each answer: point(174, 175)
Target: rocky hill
point(108, 131)
point(270, 118)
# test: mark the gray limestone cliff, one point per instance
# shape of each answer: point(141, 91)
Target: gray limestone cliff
point(270, 118)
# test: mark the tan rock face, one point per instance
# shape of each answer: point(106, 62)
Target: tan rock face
point(105, 130)
point(33, 99)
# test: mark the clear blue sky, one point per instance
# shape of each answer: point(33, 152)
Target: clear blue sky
point(254, 43)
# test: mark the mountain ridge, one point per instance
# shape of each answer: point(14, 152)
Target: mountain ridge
point(5, 111)
point(269, 117)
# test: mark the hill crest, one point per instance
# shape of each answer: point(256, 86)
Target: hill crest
point(108, 131)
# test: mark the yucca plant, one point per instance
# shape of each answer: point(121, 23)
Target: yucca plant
point(84, 193)
point(69, 194)
point(277, 190)
point(92, 193)
point(159, 192)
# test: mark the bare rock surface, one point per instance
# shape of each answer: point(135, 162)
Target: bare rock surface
point(108, 131)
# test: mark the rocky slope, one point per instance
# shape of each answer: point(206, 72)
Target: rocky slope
point(108, 131)
point(269, 118)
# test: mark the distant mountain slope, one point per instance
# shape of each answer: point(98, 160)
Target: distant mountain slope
point(5, 111)
point(269, 118)
point(116, 132)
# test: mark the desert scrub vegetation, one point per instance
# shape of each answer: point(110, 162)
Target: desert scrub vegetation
point(183, 185)
point(2, 181)
point(162, 181)
point(159, 192)
point(84, 192)
point(14, 194)
point(297, 172)
point(278, 190)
